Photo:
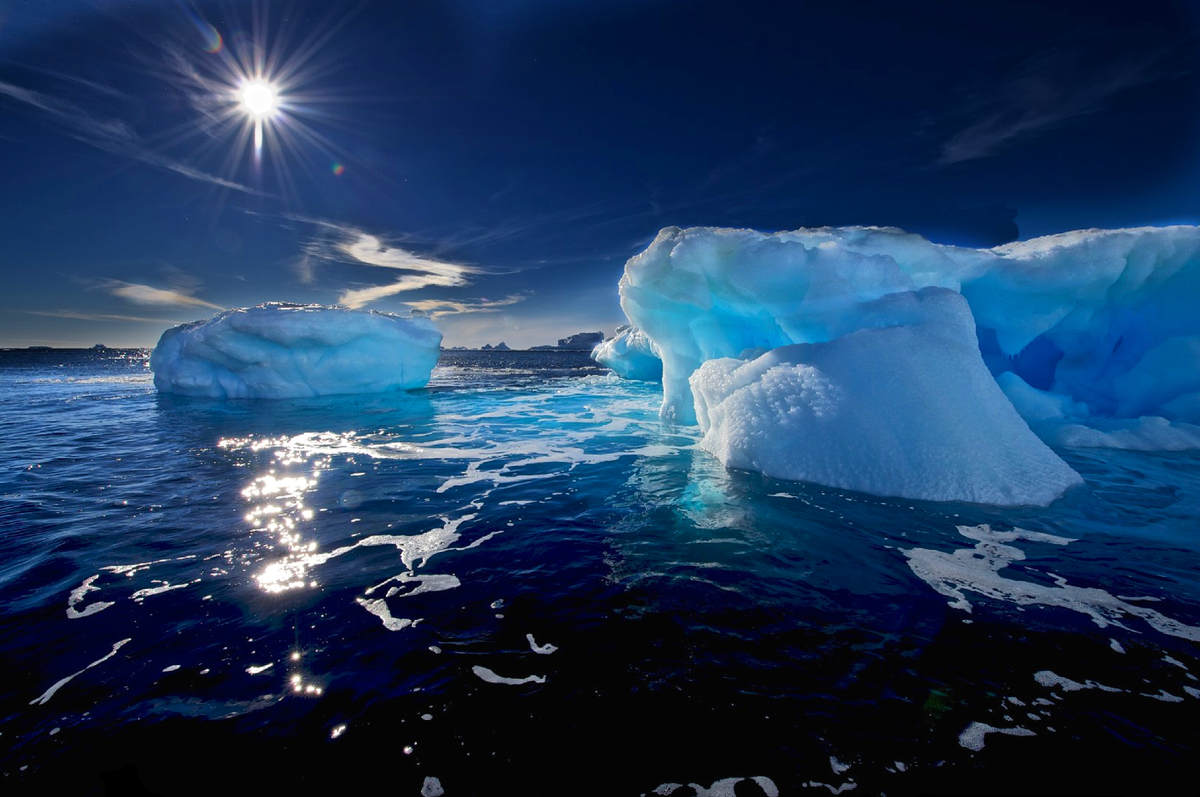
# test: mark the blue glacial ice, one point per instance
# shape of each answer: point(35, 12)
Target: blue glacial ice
point(281, 351)
point(1105, 318)
point(903, 406)
point(630, 355)
point(1093, 336)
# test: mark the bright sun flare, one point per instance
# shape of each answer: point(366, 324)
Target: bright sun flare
point(259, 98)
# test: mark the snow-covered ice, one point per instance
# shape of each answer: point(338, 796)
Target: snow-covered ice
point(902, 407)
point(630, 354)
point(281, 350)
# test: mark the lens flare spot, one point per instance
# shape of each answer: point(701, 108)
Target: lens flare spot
point(338, 169)
point(213, 41)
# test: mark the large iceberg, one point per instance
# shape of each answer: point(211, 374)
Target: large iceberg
point(630, 355)
point(1102, 319)
point(279, 350)
point(790, 351)
point(904, 406)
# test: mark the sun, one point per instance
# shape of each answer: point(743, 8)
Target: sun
point(259, 99)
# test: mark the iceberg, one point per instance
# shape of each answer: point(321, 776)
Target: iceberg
point(630, 355)
point(1104, 319)
point(903, 406)
point(280, 350)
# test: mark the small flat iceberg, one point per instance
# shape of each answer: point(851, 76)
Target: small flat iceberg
point(279, 351)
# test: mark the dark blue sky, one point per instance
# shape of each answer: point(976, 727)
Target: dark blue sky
point(495, 163)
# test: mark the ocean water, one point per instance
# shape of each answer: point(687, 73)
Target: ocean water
point(518, 581)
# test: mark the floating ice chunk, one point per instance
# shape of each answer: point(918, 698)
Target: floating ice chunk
point(49, 693)
point(255, 669)
point(630, 354)
point(545, 650)
point(281, 350)
point(973, 737)
point(902, 407)
point(432, 787)
point(492, 678)
point(1117, 646)
point(978, 569)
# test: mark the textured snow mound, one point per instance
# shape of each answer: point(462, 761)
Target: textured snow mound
point(630, 354)
point(1104, 319)
point(904, 406)
point(291, 351)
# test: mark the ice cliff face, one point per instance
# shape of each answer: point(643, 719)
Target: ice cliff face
point(1093, 334)
point(292, 351)
point(630, 354)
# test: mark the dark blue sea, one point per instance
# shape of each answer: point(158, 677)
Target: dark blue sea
point(518, 581)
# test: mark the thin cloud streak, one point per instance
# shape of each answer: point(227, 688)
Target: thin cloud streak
point(149, 296)
point(110, 135)
point(78, 316)
point(437, 308)
point(1045, 94)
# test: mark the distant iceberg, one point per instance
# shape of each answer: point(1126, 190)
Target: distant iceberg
point(279, 350)
point(630, 354)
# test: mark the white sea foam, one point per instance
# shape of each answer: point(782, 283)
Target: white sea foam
point(492, 678)
point(78, 594)
point(149, 592)
point(977, 570)
point(972, 737)
point(379, 608)
point(1051, 680)
point(49, 693)
point(721, 788)
point(545, 649)
point(1164, 696)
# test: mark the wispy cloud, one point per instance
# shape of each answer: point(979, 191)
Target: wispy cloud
point(80, 316)
point(347, 245)
point(437, 308)
point(1045, 93)
point(149, 296)
point(108, 133)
